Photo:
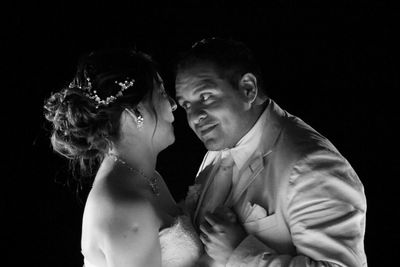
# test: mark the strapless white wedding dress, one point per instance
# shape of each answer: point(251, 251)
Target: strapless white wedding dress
point(180, 244)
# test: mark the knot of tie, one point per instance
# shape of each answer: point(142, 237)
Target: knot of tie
point(226, 161)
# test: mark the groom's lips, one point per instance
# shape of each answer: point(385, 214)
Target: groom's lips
point(206, 129)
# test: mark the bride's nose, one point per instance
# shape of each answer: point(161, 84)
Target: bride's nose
point(172, 103)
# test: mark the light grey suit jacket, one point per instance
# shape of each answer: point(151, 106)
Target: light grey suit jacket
point(300, 201)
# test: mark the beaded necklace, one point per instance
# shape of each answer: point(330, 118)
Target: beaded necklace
point(152, 181)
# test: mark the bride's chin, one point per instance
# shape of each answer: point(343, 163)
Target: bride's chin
point(170, 139)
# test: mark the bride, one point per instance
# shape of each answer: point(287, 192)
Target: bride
point(116, 113)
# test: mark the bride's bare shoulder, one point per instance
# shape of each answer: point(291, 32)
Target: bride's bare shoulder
point(122, 222)
point(113, 207)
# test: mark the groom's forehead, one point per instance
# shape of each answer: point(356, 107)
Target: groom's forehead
point(197, 76)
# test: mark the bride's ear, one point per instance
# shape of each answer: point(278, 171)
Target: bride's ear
point(136, 115)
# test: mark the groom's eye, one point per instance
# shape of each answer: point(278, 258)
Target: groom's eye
point(205, 97)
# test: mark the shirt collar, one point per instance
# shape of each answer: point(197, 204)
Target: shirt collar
point(249, 143)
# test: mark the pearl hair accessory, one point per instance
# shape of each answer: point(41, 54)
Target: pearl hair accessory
point(92, 94)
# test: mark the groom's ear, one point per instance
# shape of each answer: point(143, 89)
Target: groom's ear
point(248, 87)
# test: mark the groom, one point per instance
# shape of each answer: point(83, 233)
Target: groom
point(272, 191)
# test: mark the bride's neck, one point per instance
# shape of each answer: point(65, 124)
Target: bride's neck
point(137, 156)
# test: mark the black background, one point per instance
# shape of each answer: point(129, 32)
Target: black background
point(336, 68)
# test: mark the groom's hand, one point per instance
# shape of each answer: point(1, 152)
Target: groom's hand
point(221, 234)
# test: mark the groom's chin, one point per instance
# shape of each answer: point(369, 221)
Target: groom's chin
point(212, 144)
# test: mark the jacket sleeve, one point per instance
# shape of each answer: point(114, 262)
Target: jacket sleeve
point(325, 212)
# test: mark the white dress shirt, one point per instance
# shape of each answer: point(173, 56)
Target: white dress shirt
point(241, 152)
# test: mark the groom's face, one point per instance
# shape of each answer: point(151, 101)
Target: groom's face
point(215, 109)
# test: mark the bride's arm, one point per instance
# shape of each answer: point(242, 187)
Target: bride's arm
point(131, 234)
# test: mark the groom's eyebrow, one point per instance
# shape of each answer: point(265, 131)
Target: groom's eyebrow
point(200, 86)
point(208, 83)
point(204, 85)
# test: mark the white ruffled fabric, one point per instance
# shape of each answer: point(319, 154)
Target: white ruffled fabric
point(180, 244)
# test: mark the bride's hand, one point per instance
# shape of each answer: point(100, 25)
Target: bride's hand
point(221, 234)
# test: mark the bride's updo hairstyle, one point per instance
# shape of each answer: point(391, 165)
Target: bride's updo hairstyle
point(85, 115)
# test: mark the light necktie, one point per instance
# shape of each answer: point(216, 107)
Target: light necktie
point(219, 187)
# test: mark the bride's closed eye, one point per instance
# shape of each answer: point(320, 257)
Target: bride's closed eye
point(163, 93)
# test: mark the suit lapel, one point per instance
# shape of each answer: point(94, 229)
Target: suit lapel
point(247, 177)
point(255, 165)
point(205, 178)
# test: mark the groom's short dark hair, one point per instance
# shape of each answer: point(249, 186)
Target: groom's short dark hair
point(232, 59)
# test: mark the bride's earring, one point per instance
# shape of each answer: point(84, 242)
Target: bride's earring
point(137, 117)
point(139, 121)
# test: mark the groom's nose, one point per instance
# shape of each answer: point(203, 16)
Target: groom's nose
point(195, 115)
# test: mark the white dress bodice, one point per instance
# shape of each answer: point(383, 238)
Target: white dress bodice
point(180, 244)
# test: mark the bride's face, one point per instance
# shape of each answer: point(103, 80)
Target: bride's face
point(162, 132)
